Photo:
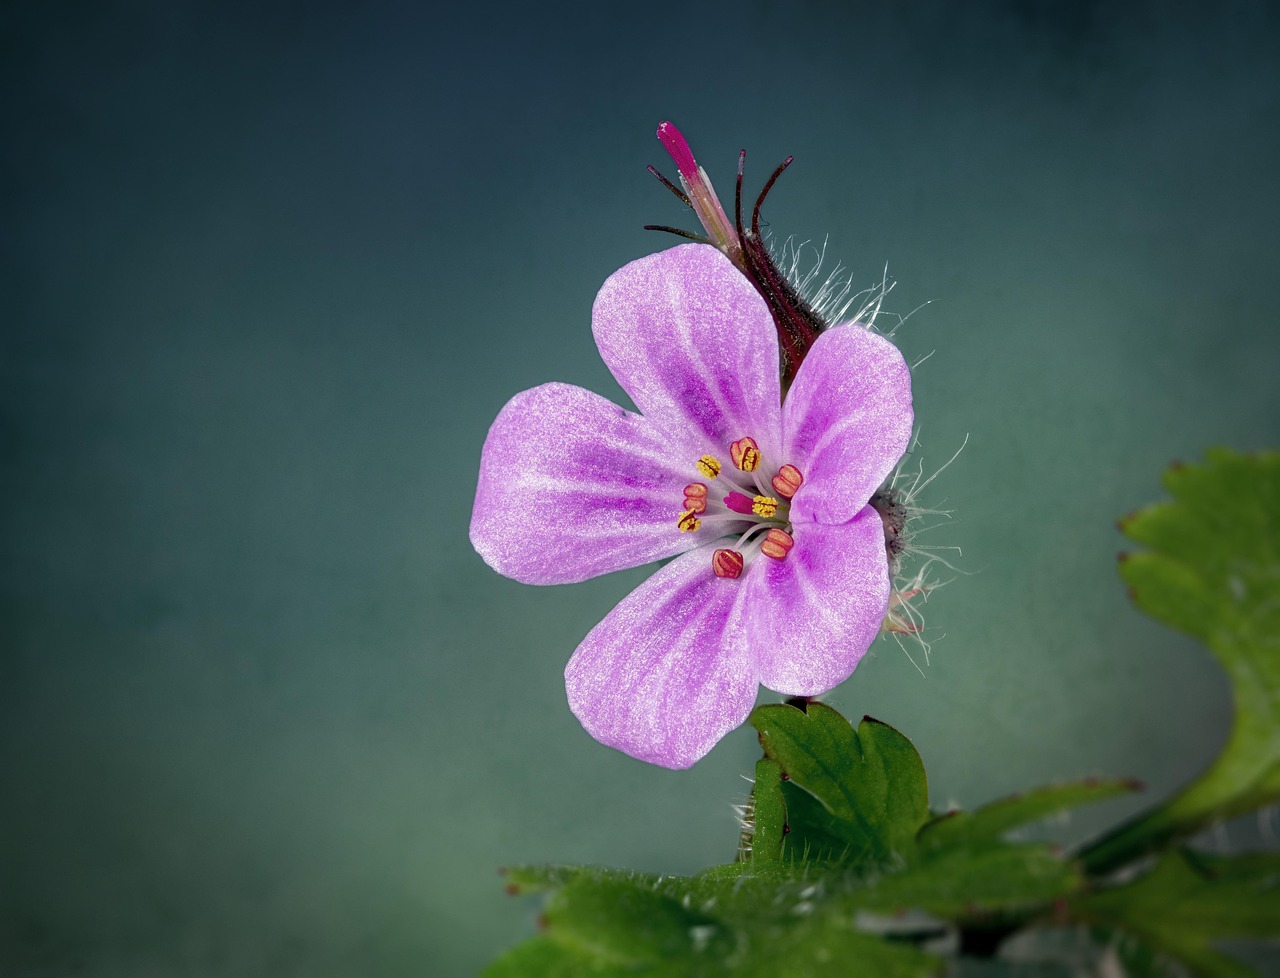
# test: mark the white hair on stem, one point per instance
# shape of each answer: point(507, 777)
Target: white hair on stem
point(835, 302)
point(905, 619)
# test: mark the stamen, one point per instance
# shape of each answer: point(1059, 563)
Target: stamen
point(727, 563)
point(764, 506)
point(777, 543)
point(788, 481)
point(695, 497)
point(709, 466)
point(745, 454)
point(739, 503)
point(750, 533)
point(716, 518)
point(689, 522)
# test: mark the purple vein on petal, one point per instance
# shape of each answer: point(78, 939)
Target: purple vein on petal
point(665, 675)
point(572, 486)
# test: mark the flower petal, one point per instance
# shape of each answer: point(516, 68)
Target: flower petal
point(847, 420)
point(666, 674)
point(572, 486)
point(693, 344)
point(808, 619)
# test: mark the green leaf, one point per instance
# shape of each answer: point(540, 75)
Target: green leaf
point(834, 851)
point(545, 957)
point(791, 918)
point(859, 798)
point(869, 784)
point(623, 920)
point(1187, 902)
point(814, 834)
point(609, 922)
point(823, 945)
point(1213, 569)
point(963, 868)
point(740, 920)
point(965, 884)
point(994, 821)
point(537, 879)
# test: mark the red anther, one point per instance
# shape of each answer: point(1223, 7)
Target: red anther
point(745, 454)
point(777, 543)
point(787, 482)
point(726, 563)
point(695, 497)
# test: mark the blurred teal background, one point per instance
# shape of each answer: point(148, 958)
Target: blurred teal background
point(268, 275)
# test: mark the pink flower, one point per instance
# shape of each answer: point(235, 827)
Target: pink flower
point(781, 576)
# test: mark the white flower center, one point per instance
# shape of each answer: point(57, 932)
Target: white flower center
point(738, 500)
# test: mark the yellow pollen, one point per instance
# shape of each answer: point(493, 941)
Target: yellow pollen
point(745, 454)
point(764, 506)
point(689, 522)
point(709, 466)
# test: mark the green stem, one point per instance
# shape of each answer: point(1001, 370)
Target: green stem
point(1153, 831)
